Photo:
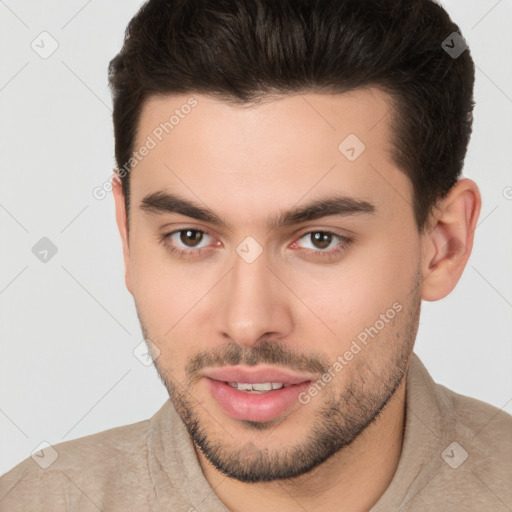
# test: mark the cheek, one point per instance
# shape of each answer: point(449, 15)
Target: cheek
point(350, 297)
point(172, 299)
point(158, 286)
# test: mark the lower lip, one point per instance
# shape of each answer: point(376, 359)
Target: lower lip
point(254, 407)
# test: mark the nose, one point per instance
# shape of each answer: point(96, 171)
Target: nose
point(254, 305)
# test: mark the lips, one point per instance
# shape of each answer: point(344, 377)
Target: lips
point(256, 394)
point(254, 375)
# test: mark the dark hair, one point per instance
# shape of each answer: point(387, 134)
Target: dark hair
point(243, 51)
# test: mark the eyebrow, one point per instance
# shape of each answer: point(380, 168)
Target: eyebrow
point(332, 205)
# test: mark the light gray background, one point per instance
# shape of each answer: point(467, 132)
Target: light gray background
point(69, 326)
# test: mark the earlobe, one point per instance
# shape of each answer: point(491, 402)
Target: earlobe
point(122, 225)
point(448, 241)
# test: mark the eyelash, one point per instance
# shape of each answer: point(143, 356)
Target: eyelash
point(196, 253)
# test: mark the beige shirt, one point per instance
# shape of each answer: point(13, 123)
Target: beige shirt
point(456, 456)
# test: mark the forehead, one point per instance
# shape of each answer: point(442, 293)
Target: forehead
point(285, 148)
point(282, 119)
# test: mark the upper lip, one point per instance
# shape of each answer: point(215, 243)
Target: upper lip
point(256, 374)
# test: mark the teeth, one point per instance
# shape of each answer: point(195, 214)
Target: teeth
point(257, 387)
point(266, 386)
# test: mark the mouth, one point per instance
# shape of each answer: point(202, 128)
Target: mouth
point(258, 394)
point(258, 387)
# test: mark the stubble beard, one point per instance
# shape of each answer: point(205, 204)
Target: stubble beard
point(341, 419)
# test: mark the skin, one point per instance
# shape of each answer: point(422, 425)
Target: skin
point(248, 164)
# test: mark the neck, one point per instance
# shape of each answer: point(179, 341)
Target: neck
point(352, 480)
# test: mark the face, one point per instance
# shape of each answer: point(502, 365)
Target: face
point(275, 265)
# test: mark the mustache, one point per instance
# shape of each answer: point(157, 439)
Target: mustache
point(268, 352)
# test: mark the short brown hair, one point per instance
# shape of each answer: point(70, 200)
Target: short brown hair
point(243, 50)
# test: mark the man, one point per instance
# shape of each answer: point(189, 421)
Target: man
point(288, 191)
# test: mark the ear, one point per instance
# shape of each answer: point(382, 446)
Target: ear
point(448, 240)
point(122, 225)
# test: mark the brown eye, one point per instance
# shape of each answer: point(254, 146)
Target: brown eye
point(321, 239)
point(188, 243)
point(322, 244)
point(191, 237)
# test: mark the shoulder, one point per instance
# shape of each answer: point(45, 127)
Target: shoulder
point(476, 454)
point(485, 425)
point(82, 474)
point(458, 450)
